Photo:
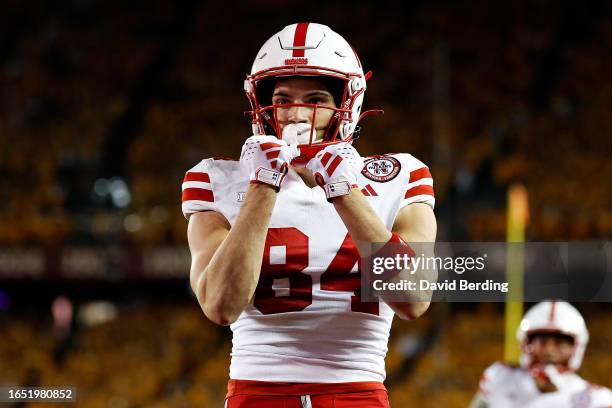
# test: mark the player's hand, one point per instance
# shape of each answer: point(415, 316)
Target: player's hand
point(335, 168)
point(266, 159)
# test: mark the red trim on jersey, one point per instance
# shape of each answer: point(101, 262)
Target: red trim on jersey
point(269, 145)
point(250, 387)
point(196, 176)
point(333, 165)
point(371, 190)
point(273, 154)
point(325, 158)
point(200, 194)
point(481, 384)
point(419, 190)
point(225, 158)
point(299, 39)
point(418, 174)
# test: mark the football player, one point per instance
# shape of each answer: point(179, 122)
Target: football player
point(553, 338)
point(276, 236)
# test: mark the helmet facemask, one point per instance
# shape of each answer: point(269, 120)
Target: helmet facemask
point(563, 349)
point(265, 115)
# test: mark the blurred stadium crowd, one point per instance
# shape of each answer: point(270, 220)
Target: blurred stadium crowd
point(168, 355)
point(105, 105)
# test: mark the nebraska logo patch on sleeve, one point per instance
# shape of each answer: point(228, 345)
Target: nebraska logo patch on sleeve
point(381, 168)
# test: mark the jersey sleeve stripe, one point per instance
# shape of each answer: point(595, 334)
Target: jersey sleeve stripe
point(196, 176)
point(419, 190)
point(418, 174)
point(196, 184)
point(421, 182)
point(198, 194)
point(424, 198)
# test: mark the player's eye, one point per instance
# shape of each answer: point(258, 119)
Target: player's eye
point(320, 100)
point(279, 101)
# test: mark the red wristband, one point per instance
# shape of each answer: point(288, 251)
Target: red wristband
point(395, 246)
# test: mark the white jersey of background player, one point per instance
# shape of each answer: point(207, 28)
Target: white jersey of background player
point(273, 236)
point(553, 338)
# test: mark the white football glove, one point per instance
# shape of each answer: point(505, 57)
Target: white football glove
point(335, 168)
point(266, 159)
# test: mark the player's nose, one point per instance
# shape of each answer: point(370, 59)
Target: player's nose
point(549, 344)
point(299, 114)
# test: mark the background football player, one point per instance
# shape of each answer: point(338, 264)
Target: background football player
point(553, 338)
point(276, 236)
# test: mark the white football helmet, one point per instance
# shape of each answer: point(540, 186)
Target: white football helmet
point(552, 316)
point(308, 49)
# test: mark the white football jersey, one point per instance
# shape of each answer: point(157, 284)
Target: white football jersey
point(505, 386)
point(306, 322)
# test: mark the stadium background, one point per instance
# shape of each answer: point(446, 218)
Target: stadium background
point(105, 104)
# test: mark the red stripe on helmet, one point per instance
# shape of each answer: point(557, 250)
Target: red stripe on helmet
point(553, 306)
point(299, 39)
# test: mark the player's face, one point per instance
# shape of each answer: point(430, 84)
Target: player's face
point(551, 348)
point(303, 90)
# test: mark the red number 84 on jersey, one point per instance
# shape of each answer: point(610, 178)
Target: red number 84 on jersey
point(337, 276)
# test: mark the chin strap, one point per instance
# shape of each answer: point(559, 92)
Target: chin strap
point(371, 112)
